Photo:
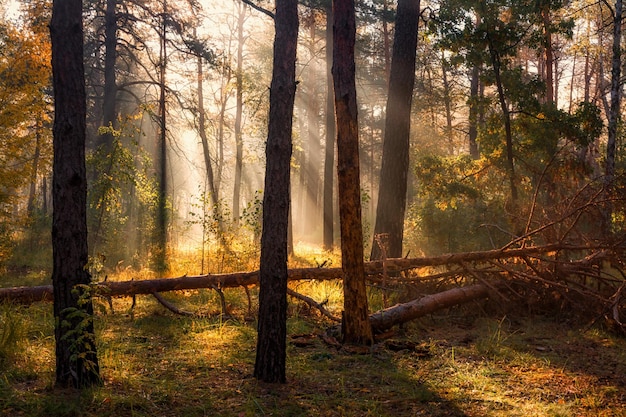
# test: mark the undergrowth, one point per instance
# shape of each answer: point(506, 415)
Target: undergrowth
point(461, 362)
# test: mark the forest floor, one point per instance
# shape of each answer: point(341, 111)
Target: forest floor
point(459, 362)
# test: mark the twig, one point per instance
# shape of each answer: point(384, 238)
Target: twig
point(312, 303)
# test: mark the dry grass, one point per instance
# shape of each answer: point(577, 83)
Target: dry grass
point(461, 363)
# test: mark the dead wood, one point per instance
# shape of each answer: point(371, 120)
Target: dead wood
point(402, 313)
point(171, 307)
point(311, 302)
point(494, 270)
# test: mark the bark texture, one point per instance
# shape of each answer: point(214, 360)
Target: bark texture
point(356, 327)
point(272, 328)
point(329, 153)
point(76, 359)
point(402, 313)
point(395, 165)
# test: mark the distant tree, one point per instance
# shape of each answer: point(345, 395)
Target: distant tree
point(329, 152)
point(356, 327)
point(270, 364)
point(395, 165)
point(76, 358)
point(241, 39)
point(615, 93)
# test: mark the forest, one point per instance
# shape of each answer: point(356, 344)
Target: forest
point(323, 207)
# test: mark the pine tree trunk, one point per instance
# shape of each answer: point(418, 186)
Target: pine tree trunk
point(76, 358)
point(160, 243)
point(395, 165)
point(356, 326)
point(238, 116)
point(329, 154)
point(272, 328)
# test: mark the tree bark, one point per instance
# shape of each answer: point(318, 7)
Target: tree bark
point(402, 313)
point(395, 165)
point(76, 358)
point(356, 327)
point(506, 118)
point(614, 112)
point(162, 221)
point(473, 112)
point(271, 351)
point(238, 116)
point(329, 154)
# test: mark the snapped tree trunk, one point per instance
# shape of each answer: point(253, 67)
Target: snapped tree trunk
point(271, 351)
point(395, 165)
point(356, 327)
point(75, 352)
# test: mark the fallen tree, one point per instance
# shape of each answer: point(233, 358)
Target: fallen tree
point(586, 278)
point(401, 313)
point(238, 279)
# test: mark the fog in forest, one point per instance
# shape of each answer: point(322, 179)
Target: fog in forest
point(469, 186)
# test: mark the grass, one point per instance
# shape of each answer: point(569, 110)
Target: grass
point(459, 362)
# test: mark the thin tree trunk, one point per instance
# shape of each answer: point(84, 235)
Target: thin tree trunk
point(473, 112)
point(356, 327)
point(447, 101)
point(75, 352)
point(474, 105)
point(160, 261)
point(549, 55)
point(329, 154)
point(270, 363)
point(203, 136)
point(313, 140)
point(506, 118)
point(238, 115)
point(614, 112)
point(30, 208)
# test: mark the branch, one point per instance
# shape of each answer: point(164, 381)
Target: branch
point(259, 8)
point(312, 303)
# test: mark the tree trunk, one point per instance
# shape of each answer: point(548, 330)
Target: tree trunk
point(329, 154)
point(356, 327)
point(76, 358)
point(272, 328)
point(238, 115)
point(473, 112)
point(160, 244)
point(549, 55)
point(614, 115)
point(203, 136)
point(402, 313)
point(109, 118)
point(506, 118)
point(447, 101)
point(614, 112)
point(30, 208)
point(313, 140)
point(395, 165)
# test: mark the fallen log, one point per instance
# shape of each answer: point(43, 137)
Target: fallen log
point(405, 312)
point(149, 286)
